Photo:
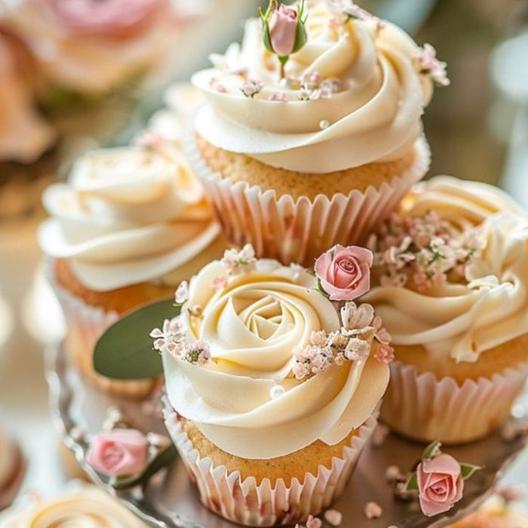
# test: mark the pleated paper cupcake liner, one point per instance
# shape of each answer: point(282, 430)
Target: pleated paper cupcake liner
point(252, 503)
point(422, 407)
point(85, 324)
point(299, 230)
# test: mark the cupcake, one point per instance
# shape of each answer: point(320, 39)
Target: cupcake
point(494, 513)
point(24, 135)
point(272, 383)
point(12, 470)
point(129, 224)
point(451, 276)
point(90, 47)
point(312, 130)
point(87, 506)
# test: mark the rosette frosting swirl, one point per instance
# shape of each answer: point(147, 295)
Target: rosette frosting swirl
point(89, 508)
point(127, 215)
point(351, 96)
point(245, 399)
point(462, 319)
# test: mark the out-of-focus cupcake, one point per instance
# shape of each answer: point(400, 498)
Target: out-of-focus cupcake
point(92, 47)
point(494, 513)
point(272, 389)
point(304, 153)
point(129, 224)
point(87, 506)
point(12, 470)
point(451, 270)
point(24, 135)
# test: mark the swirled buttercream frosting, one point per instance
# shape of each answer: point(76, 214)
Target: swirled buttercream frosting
point(459, 299)
point(126, 216)
point(89, 508)
point(352, 95)
point(231, 358)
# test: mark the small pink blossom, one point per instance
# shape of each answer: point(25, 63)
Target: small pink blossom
point(219, 283)
point(251, 87)
point(242, 261)
point(313, 522)
point(278, 97)
point(196, 352)
point(282, 30)
point(217, 86)
point(118, 453)
point(373, 510)
point(384, 354)
point(182, 293)
point(333, 517)
point(169, 337)
point(430, 65)
point(149, 140)
point(344, 272)
point(440, 484)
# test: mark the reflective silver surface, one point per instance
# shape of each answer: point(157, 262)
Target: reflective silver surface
point(169, 499)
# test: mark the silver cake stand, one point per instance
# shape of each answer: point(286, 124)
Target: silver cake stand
point(169, 500)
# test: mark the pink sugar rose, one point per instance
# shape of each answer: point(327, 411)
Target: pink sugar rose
point(283, 28)
point(118, 453)
point(104, 17)
point(344, 272)
point(440, 484)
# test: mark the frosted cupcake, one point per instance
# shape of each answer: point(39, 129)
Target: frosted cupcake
point(128, 225)
point(273, 384)
point(12, 470)
point(85, 507)
point(24, 135)
point(452, 275)
point(92, 47)
point(312, 129)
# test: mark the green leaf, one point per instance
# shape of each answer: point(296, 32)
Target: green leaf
point(300, 37)
point(468, 470)
point(432, 450)
point(125, 350)
point(412, 483)
point(161, 461)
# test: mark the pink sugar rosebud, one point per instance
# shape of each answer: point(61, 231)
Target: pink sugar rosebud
point(118, 453)
point(282, 30)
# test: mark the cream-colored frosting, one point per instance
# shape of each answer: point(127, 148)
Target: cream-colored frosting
point(252, 327)
point(374, 116)
point(127, 215)
point(91, 64)
point(463, 320)
point(86, 508)
point(24, 135)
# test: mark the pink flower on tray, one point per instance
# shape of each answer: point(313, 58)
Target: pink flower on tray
point(118, 453)
point(440, 484)
point(344, 272)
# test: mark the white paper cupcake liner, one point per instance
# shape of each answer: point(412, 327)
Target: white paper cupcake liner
point(247, 502)
point(424, 408)
point(299, 230)
point(85, 325)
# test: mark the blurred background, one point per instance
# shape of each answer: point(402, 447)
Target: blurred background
point(55, 104)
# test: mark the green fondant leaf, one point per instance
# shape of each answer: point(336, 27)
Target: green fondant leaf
point(468, 470)
point(412, 483)
point(125, 350)
point(432, 450)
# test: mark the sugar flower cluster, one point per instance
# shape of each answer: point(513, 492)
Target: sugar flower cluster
point(423, 251)
point(361, 331)
point(172, 338)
